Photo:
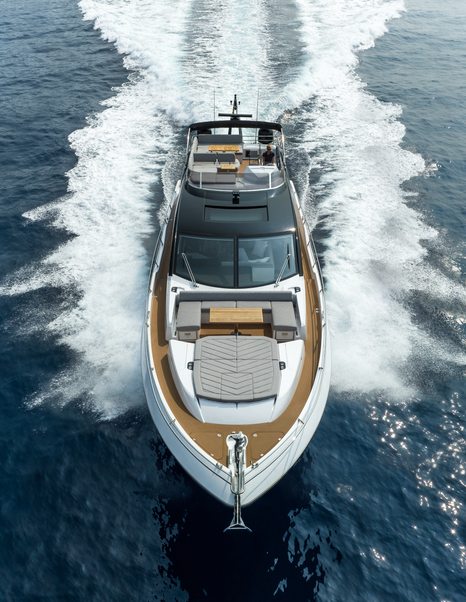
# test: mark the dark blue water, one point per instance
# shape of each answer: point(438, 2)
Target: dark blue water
point(93, 506)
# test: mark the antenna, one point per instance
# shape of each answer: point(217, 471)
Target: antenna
point(234, 113)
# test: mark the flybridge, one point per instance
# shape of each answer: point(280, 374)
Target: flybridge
point(252, 158)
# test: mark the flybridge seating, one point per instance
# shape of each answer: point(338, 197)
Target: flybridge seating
point(195, 308)
point(233, 161)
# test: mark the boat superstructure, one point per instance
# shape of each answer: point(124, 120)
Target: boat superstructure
point(235, 348)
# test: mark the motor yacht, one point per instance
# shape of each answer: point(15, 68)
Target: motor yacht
point(235, 345)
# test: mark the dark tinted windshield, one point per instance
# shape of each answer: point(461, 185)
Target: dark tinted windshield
point(258, 261)
point(210, 259)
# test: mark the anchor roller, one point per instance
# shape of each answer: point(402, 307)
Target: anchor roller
point(236, 443)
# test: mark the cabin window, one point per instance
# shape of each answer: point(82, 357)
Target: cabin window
point(260, 260)
point(256, 262)
point(210, 259)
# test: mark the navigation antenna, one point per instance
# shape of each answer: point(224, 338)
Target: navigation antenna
point(234, 115)
point(236, 443)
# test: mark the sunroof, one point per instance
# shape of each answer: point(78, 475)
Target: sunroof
point(235, 214)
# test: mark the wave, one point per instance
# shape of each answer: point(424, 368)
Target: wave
point(109, 211)
point(376, 249)
point(128, 158)
point(129, 155)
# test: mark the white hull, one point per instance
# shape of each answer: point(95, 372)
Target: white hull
point(214, 477)
point(238, 440)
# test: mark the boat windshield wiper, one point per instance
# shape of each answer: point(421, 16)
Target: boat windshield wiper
point(190, 272)
point(287, 261)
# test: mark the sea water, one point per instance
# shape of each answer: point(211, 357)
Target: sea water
point(95, 98)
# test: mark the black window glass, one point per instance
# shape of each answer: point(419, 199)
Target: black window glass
point(210, 259)
point(260, 260)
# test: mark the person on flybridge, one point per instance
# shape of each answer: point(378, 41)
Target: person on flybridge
point(268, 156)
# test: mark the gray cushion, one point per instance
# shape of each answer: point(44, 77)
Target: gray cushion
point(188, 316)
point(235, 295)
point(220, 139)
point(195, 177)
point(214, 303)
point(216, 348)
point(256, 348)
point(205, 157)
point(226, 157)
point(211, 178)
point(205, 177)
point(283, 316)
point(225, 178)
point(231, 368)
point(262, 304)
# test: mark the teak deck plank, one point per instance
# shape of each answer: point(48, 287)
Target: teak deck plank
point(235, 315)
point(232, 148)
point(227, 168)
point(212, 437)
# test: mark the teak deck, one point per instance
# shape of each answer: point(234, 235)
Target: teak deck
point(221, 148)
point(212, 437)
point(236, 315)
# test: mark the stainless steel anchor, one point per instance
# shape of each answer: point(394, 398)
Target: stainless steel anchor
point(236, 443)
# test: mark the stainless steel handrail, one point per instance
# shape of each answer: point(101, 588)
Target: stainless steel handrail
point(158, 244)
point(190, 272)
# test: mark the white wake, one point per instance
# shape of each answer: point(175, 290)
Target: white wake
point(177, 55)
point(376, 252)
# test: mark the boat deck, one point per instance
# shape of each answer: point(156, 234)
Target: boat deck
point(212, 437)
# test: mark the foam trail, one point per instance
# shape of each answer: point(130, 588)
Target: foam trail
point(108, 209)
point(226, 53)
point(230, 49)
point(121, 154)
point(177, 55)
point(376, 256)
point(376, 253)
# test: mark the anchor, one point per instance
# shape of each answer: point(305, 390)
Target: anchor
point(236, 443)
